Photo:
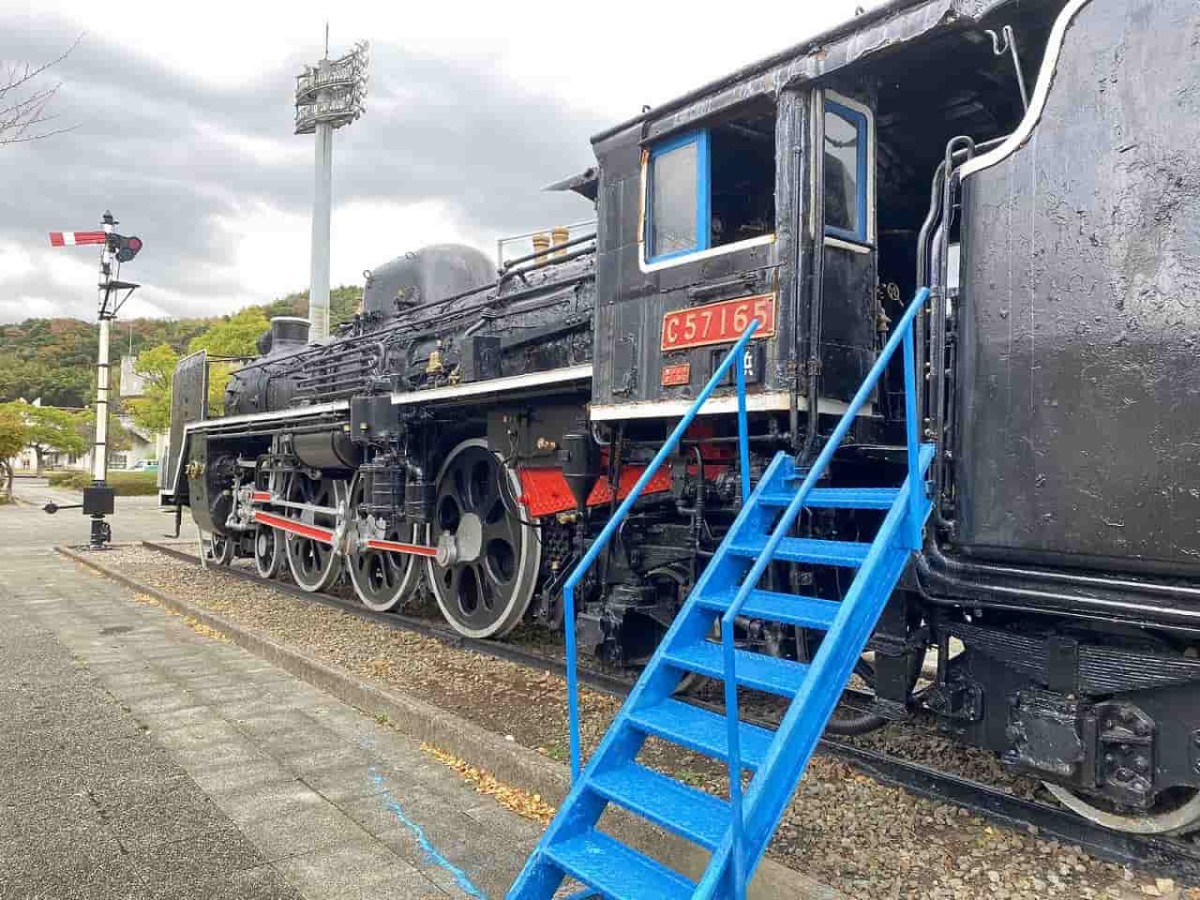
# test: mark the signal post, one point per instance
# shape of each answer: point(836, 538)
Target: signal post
point(98, 498)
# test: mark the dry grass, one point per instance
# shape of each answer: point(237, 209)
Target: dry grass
point(530, 806)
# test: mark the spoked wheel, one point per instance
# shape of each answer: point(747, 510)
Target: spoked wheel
point(484, 576)
point(382, 580)
point(218, 549)
point(314, 564)
point(1175, 811)
point(268, 552)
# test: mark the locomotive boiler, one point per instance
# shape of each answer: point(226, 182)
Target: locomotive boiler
point(1036, 163)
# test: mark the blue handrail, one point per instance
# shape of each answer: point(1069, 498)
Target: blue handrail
point(901, 334)
point(737, 352)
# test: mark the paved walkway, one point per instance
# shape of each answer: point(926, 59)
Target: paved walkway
point(135, 518)
point(139, 758)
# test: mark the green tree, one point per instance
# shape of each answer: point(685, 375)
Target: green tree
point(343, 304)
point(118, 439)
point(153, 409)
point(14, 437)
point(235, 337)
point(50, 429)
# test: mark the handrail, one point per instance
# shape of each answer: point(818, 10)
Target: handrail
point(737, 352)
point(903, 333)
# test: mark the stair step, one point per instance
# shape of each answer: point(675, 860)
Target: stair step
point(754, 670)
point(616, 870)
point(848, 554)
point(787, 609)
point(836, 498)
point(702, 731)
point(698, 816)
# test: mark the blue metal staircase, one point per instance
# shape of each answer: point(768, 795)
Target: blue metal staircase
point(736, 830)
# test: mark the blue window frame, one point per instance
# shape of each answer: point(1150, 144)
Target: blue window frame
point(846, 172)
point(679, 197)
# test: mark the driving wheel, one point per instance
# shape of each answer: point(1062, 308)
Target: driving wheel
point(488, 555)
point(218, 549)
point(314, 564)
point(382, 580)
point(268, 552)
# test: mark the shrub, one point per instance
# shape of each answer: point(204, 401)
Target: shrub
point(126, 484)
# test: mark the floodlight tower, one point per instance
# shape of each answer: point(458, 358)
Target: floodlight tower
point(328, 96)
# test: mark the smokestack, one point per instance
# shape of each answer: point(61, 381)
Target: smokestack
point(541, 242)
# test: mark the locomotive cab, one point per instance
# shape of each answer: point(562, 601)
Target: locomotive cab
point(793, 195)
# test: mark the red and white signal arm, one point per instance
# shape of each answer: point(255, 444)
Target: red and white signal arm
point(76, 238)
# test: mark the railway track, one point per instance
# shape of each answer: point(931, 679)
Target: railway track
point(1176, 857)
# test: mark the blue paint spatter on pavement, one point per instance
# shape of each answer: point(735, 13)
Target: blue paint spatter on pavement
point(460, 877)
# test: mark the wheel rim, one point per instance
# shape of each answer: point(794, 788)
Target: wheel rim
point(1177, 810)
point(268, 558)
point(484, 591)
point(218, 549)
point(382, 580)
point(314, 565)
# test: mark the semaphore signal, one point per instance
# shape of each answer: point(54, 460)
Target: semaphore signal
point(98, 500)
point(76, 238)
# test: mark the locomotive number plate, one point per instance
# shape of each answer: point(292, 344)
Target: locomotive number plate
point(718, 323)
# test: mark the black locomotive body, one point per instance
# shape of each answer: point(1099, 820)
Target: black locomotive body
point(471, 430)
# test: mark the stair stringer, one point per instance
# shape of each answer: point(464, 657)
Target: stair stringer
point(583, 807)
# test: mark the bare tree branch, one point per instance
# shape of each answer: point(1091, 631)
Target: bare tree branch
point(23, 100)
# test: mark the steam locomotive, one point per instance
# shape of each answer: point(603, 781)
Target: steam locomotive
point(470, 431)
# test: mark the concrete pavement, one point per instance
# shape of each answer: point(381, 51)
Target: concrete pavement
point(135, 519)
point(140, 758)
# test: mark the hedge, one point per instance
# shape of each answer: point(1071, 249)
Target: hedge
point(126, 484)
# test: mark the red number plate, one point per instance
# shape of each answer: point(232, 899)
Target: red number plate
point(718, 323)
point(673, 376)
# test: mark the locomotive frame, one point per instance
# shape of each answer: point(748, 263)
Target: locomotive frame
point(469, 431)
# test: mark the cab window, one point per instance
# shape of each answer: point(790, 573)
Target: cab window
point(845, 172)
point(712, 187)
point(679, 196)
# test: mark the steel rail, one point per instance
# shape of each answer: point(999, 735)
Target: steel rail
point(1175, 857)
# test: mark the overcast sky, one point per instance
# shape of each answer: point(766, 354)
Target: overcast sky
point(181, 120)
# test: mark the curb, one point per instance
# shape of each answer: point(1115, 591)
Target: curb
point(506, 760)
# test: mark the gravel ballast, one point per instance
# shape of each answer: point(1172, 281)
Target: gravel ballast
point(843, 828)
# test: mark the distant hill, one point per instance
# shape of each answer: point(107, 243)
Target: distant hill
point(343, 304)
point(55, 358)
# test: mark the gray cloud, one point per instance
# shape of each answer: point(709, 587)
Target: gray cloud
point(169, 155)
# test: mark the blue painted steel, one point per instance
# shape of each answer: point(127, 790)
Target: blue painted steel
point(861, 173)
point(736, 831)
point(847, 554)
point(737, 352)
point(703, 194)
point(912, 427)
point(700, 730)
point(787, 609)
point(838, 498)
point(770, 674)
point(694, 814)
point(617, 871)
point(650, 710)
point(743, 428)
point(901, 334)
